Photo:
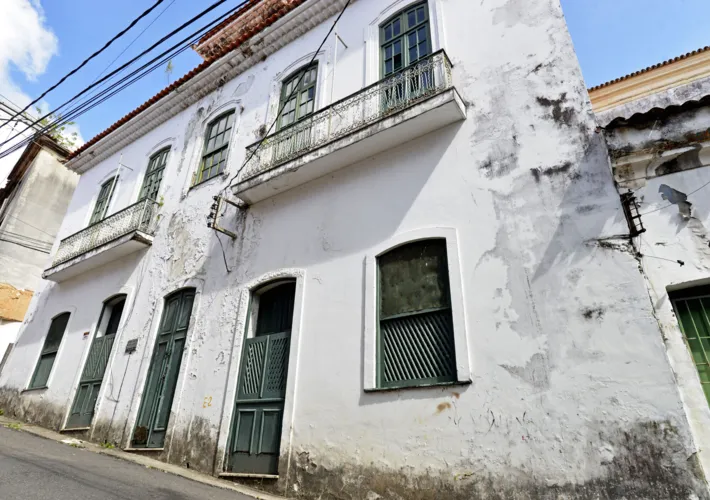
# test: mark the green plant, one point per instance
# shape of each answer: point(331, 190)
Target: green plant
point(60, 133)
point(14, 425)
point(2, 412)
point(107, 445)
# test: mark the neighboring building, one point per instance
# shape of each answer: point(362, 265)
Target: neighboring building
point(657, 124)
point(35, 191)
point(424, 295)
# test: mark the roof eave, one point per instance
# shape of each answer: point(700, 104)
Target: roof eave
point(204, 80)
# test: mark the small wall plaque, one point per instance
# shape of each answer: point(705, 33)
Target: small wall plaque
point(131, 346)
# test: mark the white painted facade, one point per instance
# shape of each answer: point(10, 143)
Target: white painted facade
point(564, 386)
point(652, 153)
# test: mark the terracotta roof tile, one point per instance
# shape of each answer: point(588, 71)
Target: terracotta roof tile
point(646, 70)
point(244, 36)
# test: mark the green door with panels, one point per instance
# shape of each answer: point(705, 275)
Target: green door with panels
point(90, 383)
point(692, 307)
point(163, 372)
point(258, 413)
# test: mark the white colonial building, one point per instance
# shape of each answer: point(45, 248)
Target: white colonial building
point(409, 285)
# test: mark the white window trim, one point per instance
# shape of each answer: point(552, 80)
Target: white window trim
point(46, 324)
point(97, 189)
point(245, 297)
point(140, 179)
point(198, 148)
point(129, 292)
point(272, 110)
point(463, 362)
point(372, 34)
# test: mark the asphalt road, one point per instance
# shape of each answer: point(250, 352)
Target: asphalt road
point(35, 468)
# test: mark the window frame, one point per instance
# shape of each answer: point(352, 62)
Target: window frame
point(406, 30)
point(150, 173)
point(45, 352)
point(456, 291)
point(297, 93)
point(198, 177)
point(111, 184)
point(380, 342)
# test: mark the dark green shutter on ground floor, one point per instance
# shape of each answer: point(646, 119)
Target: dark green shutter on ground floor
point(160, 385)
point(258, 415)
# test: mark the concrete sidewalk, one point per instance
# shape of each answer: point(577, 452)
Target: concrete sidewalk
point(138, 459)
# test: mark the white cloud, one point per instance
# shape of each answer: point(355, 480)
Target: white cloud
point(26, 43)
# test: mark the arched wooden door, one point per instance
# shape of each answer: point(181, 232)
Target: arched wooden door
point(258, 414)
point(92, 375)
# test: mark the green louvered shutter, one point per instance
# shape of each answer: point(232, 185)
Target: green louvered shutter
point(416, 336)
point(692, 308)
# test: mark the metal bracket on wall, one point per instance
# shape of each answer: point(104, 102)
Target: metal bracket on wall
point(631, 211)
point(215, 209)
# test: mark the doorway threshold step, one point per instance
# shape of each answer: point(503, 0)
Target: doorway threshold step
point(249, 475)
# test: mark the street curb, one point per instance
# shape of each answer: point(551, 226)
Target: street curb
point(141, 460)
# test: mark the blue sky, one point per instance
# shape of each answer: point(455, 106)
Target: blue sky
point(611, 37)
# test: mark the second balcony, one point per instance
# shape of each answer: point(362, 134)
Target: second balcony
point(412, 103)
point(118, 235)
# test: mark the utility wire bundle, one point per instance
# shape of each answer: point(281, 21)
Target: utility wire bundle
point(87, 103)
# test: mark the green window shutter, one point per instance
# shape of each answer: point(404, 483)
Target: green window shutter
point(405, 39)
point(49, 351)
point(154, 175)
point(214, 154)
point(415, 339)
point(693, 311)
point(103, 201)
point(298, 96)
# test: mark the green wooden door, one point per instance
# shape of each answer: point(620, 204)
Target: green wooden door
point(258, 414)
point(90, 383)
point(163, 372)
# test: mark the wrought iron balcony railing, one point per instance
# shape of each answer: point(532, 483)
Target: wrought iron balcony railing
point(138, 217)
point(424, 79)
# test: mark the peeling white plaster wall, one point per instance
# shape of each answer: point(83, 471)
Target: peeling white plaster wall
point(565, 354)
point(650, 158)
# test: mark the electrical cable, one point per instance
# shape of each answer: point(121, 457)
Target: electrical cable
point(293, 92)
point(25, 245)
point(85, 61)
point(192, 38)
point(33, 227)
point(671, 204)
point(134, 41)
point(273, 124)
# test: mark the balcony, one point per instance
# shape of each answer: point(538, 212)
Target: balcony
point(114, 237)
point(414, 102)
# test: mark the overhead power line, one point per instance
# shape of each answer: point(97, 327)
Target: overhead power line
point(134, 40)
point(85, 61)
point(293, 92)
point(131, 78)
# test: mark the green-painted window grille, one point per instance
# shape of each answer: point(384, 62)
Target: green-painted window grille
point(302, 100)
point(49, 351)
point(214, 155)
point(692, 308)
point(415, 344)
point(103, 200)
point(154, 175)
